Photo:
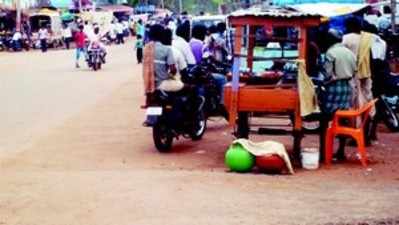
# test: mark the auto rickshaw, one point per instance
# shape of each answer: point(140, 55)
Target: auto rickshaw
point(52, 20)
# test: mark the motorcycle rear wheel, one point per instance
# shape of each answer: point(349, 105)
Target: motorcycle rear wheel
point(162, 137)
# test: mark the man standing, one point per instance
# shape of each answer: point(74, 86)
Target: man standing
point(197, 42)
point(139, 48)
point(140, 29)
point(181, 64)
point(182, 45)
point(67, 35)
point(80, 38)
point(119, 33)
point(360, 44)
point(340, 67)
point(43, 36)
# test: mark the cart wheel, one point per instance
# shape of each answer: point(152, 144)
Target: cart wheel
point(242, 125)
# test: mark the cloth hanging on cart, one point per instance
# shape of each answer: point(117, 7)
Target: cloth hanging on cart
point(148, 68)
point(307, 93)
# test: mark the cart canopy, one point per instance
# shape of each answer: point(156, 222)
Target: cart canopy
point(276, 16)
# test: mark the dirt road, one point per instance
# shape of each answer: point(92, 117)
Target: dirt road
point(73, 151)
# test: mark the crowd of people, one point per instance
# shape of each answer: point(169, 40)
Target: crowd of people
point(351, 69)
point(170, 49)
point(353, 72)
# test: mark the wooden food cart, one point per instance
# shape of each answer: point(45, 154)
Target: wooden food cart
point(243, 99)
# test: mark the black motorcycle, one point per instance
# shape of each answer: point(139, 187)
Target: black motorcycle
point(2, 45)
point(388, 104)
point(201, 76)
point(5, 43)
point(175, 114)
point(95, 58)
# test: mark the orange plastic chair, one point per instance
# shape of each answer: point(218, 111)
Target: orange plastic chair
point(355, 132)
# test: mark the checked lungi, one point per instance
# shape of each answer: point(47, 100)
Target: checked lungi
point(337, 95)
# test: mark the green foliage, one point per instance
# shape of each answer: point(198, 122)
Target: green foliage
point(217, 2)
point(191, 6)
point(133, 2)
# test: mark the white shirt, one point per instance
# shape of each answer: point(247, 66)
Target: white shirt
point(119, 28)
point(378, 48)
point(179, 59)
point(372, 19)
point(172, 26)
point(125, 25)
point(67, 33)
point(17, 36)
point(352, 42)
point(43, 33)
point(183, 46)
point(88, 30)
point(94, 37)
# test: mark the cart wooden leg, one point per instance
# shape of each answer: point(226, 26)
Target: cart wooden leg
point(298, 135)
point(242, 125)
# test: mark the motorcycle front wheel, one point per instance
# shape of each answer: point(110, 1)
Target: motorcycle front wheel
point(388, 115)
point(162, 137)
point(199, 127)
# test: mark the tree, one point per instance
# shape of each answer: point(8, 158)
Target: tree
point(133, 2)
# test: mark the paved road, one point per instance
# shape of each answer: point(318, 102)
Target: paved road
point(39, 91)
point(73, 151)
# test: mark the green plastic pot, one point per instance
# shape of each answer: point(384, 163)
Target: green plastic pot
point(238, 159)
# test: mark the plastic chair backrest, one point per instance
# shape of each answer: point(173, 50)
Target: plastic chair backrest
point(365, 111)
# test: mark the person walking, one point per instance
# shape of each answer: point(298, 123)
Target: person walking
point(80, 38)
point(139, 48)
point(43, 36)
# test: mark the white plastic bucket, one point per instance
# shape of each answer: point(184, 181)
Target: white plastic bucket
point(310, 158)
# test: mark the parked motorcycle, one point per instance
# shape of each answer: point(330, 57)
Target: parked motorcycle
point(388, 104)
point(2, 45)
point(5, 43)
point(201, 75)
point(172, 115)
